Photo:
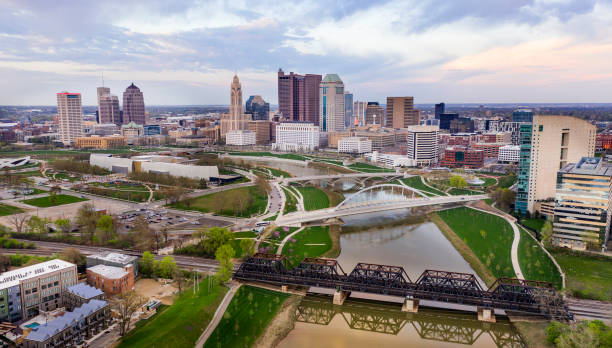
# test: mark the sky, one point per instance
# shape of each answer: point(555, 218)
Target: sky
point(186, 52)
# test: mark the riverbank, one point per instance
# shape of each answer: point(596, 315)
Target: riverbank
point(281, 325)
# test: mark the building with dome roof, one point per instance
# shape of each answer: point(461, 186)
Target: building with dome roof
point(133, 105)
point(331, 110)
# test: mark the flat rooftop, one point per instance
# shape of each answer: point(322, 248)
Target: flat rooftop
point(589, 166)
point(109, 272)
point(113, 257)
point(85, 291)
point(44, 331)
point(12, 278)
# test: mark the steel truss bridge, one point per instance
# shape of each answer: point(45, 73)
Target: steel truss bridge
point(436, 325)
point(517, 295)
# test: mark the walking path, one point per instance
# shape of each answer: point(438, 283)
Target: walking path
point(515, 243)
point(279, 250)
point(412, 188)
point(218, 315)
point(431, 187)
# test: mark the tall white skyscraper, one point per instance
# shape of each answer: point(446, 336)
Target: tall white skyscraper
point(69, 116)
point(331, 110)
point(359, 109)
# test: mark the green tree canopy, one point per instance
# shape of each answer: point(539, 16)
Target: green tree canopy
point(457, 181)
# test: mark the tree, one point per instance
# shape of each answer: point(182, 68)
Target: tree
point(503, 197)
point(125, 305)
point(546, 234)
point(63, 225)
point(145, 236)
point(203, 184)
point(19, 222)
point(179, 277)
point(166, 268)
point(213, 238)
point(53, 192)
point(457, 181)
point(173, 194)
point(248, 247)
point(224, 255)
point(106, 229)
point(37, 224)
point(72, 255)
point(87, 220)
point(5, 263)
point(146, 265)
point(263, 186)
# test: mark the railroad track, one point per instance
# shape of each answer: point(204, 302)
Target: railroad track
point(589, 309)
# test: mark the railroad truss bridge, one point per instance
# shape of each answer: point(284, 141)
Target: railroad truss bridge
point(509, 294)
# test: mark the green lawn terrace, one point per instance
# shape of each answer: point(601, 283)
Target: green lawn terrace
point(238, 202)
point(127, 191)
point(52, 201)
point(313, 241)
point(6, 209)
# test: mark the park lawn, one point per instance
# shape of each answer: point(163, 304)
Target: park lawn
point(271, 243)
point(217, 202)
point(586, 276)
point(457, 192)
point(123, 187)
point(6, 209)
point(534, 224)
point(314, 198)
point(269, 154)
point(279, 173)
point(290, 202)
point(368, 168)
point(488, 181)
point(246, 317)
point(298, 250)
point(244, 234)
point(182, 323)
point(488, 236)
point(506, 181)
point(535, 263)
point(417, 183)
point(32, 173)
point(45, 202)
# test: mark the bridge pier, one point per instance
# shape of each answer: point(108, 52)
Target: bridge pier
point(284, 288)
point(486, 314)
point(410, 305)
point(340, 296)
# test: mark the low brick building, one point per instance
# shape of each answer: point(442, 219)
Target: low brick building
point(111, 280)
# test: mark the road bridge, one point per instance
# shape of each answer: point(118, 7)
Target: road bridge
point(517, 295)
point(297, 218)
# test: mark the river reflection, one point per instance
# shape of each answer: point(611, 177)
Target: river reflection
point(365, 323)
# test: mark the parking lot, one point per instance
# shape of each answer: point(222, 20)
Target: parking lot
point(156, 219)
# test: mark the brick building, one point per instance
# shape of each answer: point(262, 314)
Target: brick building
point(491, 150)
point(111, 280)
point(461, 156)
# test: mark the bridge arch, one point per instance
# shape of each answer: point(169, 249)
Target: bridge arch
point(370, 188)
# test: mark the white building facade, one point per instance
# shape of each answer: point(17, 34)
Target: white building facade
point(358, 145)
point(509, 154)
point(390, 159)
point(297, 136)
point(423, 144)
point(240, 138)
point(69, 116)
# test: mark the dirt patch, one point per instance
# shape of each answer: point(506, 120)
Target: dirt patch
point(334, 234)
point(281, 325)
point(151, 288)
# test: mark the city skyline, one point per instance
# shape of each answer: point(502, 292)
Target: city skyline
point(515, 51)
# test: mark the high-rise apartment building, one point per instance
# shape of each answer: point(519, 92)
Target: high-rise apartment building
point(348, 109)
point(522, 115)
point(522, 182)
point(331, 109)
point(555, 142)
point(100, 92)
point(70, 116)
point(108, 109)
point(446, 119)
point(401, 113)
point(359, 109)
point(439, 109)
point(374, 113)
point(133, 106)
point(583, 204)
point(298, 96)
point(296, 136)
point(422, 144)
point(258, 108)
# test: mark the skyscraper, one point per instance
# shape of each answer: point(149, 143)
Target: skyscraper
point(258, 108)
point(102, 91)
point(522, 115)
point(555, 142)
point(401, 112)
point(374, 114)
point(439, 109)
point(298, 96)
point(331, 111)
point(108, 107)
point(359, 109)
point(133, 106)
point(348, 109)
point(70, 116)
point(446, 119)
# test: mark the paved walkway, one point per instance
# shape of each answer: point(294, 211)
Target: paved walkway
point(431, 187)
point(218, 315)
point(515, 243)
point(279, 250)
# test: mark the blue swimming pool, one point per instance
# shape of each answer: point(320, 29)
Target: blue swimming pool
point(33, 325)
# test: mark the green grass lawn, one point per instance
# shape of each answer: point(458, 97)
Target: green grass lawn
point(45, 202)
point(218, 202)
point(271, 243)
point(368, 168)
point(181, 324)
point(246, 317)
point(269, 154)
point(290, 202)
point(489, 236)
point(314, 198)
point(507, 181)
point(32, 173)
point(298, 250)
point(134, 193)
point(488, 181)
point(415, 181)
point(534, 224)
point(586, 276)
point(279, 173)
point(535, 263)
point(6, 209)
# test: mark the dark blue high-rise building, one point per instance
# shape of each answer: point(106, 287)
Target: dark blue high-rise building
point(440, 109)
point(522, 115)
point(258, 108)
point(446, 118)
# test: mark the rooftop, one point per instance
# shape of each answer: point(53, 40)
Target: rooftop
point(589, 166)
point(114, 257)
point(332, 78)
point(85, 291)
point(44, 331)
point(12, 278)
point(109, 272)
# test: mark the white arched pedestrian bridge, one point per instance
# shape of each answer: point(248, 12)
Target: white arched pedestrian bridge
point(297, 218)
point(352, 200)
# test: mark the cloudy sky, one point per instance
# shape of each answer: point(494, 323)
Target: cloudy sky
point(186, 52)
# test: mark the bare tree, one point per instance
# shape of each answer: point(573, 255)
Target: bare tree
point(19, 222)
point(125, 305)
